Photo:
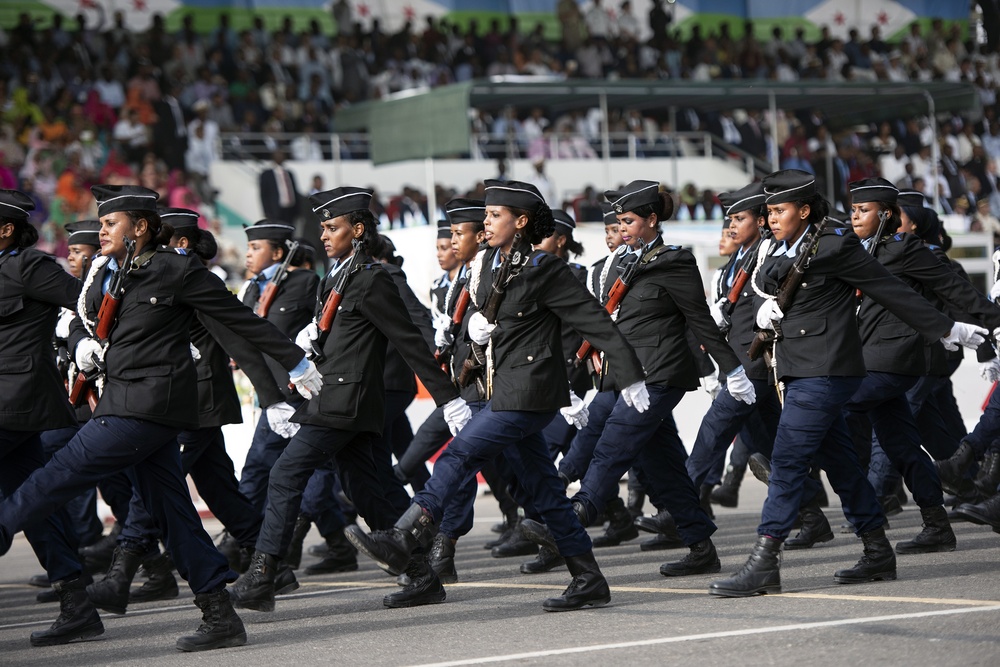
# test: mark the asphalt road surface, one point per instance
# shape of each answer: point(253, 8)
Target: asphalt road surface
point(943, 610)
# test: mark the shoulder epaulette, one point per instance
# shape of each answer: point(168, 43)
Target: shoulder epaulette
point(839, 231)
point(181, 251)
point(898, 237)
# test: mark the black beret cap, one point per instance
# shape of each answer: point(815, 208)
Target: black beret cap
point(179, 218)
point(266, 230)
point(563, 218)
point(444, 229)
point(910, 198)
point(744, 199)
point(112, 198)
point(788, 185)
point(461, 210)
point(873, 190)
point(85, 232)
point(633, 195)
point(610, 217)
point(340, 201)
point(14, 205)
point(513, 194)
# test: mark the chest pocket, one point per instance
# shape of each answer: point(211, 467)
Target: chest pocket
point(11, 305)
point(812, 282)
point(518, 311)
point(147, 391)
point(340, 395)
point(804, 328)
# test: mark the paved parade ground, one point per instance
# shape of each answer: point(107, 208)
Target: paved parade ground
point(943, 610)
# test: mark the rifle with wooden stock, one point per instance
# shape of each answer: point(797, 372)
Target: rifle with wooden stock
point(271, 289)
point(84, 387)
point(332, 303)
point(473, 370)
point(615, 295)
point(786, 292)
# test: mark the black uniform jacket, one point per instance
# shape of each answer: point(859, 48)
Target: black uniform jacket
point(218, 402)
point(579, 376)
point(398, 376)
point(439, 290)
point(529, 366)
point(820, 328)
point(32, 392)
point(461, 347)
point(150, 372)
point(666, 297)
point(892, 346)
point(291, 311)
point(742, 319)
point(371, 314)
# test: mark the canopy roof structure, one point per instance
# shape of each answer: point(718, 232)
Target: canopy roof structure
point(435, 123)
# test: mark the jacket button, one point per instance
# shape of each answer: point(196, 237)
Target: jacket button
point(340, 307)
point(340, 379)
point(530, 358)
point(802, 332)
point(520, 314)
point(805, 284)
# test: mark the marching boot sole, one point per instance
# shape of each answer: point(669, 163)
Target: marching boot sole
point(792, 545)
point(164, 595)
point(254, 605)
point(346, 567)
point(711, 568)
point(761, 472)
point(975, 517)
point(430, 598)
point(881, 576)
point(356, 536)
point(925, 548)
point(593, 604)
point(770, 589)
point(661, 545)
point(227, 642)
point(531, 568)
point(111, 609)
point(86, 632)
point(448, 578)
point(286, 589)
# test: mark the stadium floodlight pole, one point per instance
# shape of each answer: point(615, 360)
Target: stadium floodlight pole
point(605, 136)
point(772, 105)
point(935, 149)
point(674, 148)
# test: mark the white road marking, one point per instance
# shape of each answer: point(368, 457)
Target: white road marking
point(707, 635)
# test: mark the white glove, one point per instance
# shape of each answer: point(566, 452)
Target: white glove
point(62, 324)
point(480, 329)
point(966, 335)
point(740, 387)
point(279, 419)
point(305, 338)
point(720, 318)
point(995, 291)
point(309, 383)
point(88, 351)
point(710, 383)
point(441, 338)
point(576, 414)
point(440, 320)
point(636, 396)
point(768, 314)
point(195, 352)
point(990, 370)
point(457, 414)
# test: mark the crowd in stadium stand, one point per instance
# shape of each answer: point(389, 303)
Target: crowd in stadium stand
point(80, 105)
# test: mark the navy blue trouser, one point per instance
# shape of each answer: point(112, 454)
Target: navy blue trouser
point(574, 465)
point(518, 435)
point(82, 510)
point(204, 457)
point(316, 506)
point(51, 536)
point(882, 397)
point(430, 437)
point(265, 448)
point(727, 417)
point(460, 513)
point(395, 406)
point(311, 447)
point(813, 427)
point(649, 440)
point(988, 428)
point(108, 444)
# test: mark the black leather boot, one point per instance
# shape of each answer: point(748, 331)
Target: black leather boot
point(545, 561)
point(160, 583)
point(989, 474)
point(760, 467)
point(293, 557)
point(516, 544)
point(78, 619)
point(40, 581)
point(705, 500)
point(952, 470)
point(589, 588)
point(702, 559)
point(391, 548)
point(424, 586)
point(621, 526)
point(936, 535)
point(890, 505)
point(220, 626)
point(111, 593)
point(97, 557)
point(986, 513)
point(760, 574)
point(255, 587)
point(506, 528)
point(815, 528)
point(878, 562)
point(662, 542)
point(665, 530)
point(728, 493)
point(538, 533)
point(340, 556)
point(442, 559)
point(234, 553)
